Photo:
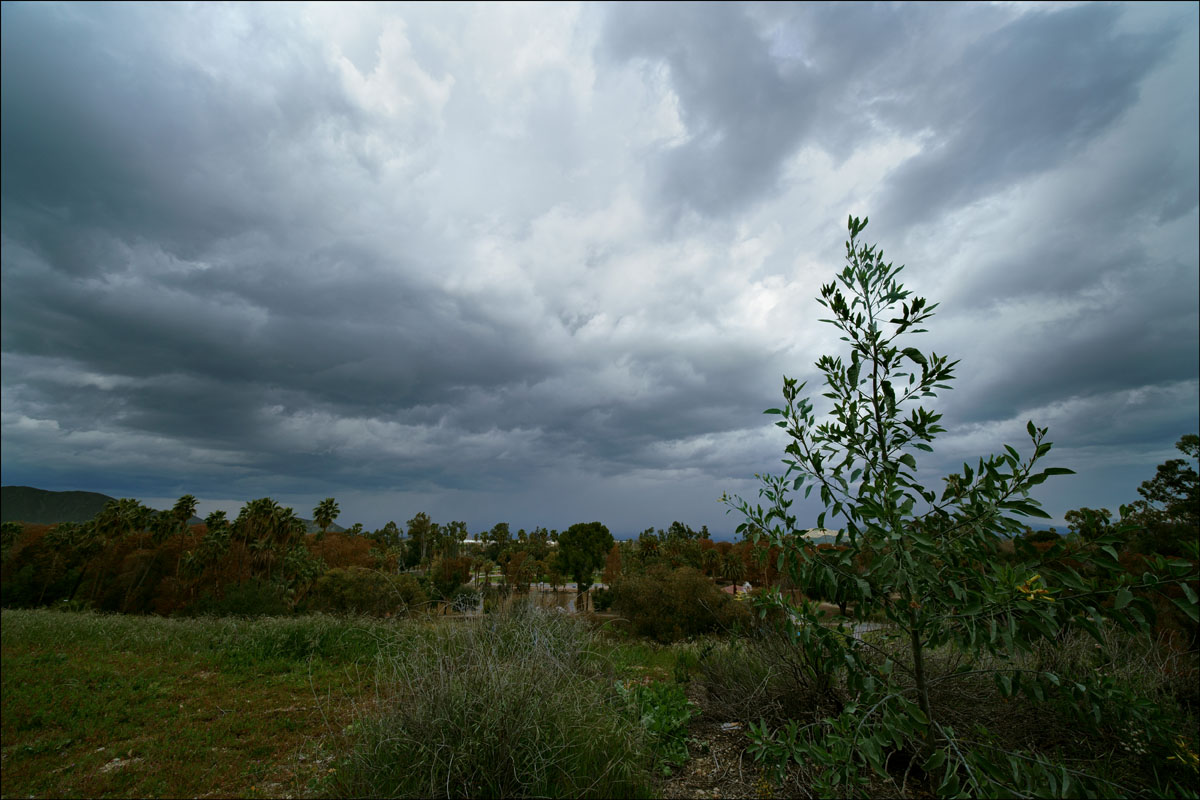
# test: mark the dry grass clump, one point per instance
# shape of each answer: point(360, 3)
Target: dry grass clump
point(513, 705)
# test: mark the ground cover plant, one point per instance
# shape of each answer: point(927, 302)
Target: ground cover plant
point(964, 613)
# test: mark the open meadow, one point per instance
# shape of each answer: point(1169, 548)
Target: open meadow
point(527, 702)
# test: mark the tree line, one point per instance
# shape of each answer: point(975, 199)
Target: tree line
point(133, 559)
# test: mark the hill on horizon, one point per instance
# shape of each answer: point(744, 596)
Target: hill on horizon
point(44, 507)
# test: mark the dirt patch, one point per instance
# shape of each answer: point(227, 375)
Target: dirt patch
point(719, 765)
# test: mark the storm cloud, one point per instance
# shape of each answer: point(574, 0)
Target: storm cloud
point(548, 263)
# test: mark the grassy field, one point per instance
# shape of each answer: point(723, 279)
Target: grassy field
point(527, 703)
point(97, 705)
point(106, 705)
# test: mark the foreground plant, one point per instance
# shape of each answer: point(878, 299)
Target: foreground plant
point(665, 712)
point(936, 567)
point(513, 705)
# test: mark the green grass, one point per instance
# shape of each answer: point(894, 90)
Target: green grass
point(104, 705)
point(525, 703)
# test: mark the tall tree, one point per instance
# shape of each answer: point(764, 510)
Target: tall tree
point(420, 533)
point(581, 551)
point(499, 539)
point(324, 514)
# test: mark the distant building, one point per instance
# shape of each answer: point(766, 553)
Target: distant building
point(819, 536)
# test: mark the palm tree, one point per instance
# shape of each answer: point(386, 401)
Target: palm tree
point(88, 544)
point(184, 510)
point(324, 515)
point(59, 540)
point(734, 568)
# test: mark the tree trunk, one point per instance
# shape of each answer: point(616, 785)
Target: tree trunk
point(918, 655)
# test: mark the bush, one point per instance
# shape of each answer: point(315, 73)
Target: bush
point(761, 677)
point(448, 575)
point(357, 590)
point(466, 599)
point(252, 598)
point(602, 599)
point(513, 705)
point(670, 605)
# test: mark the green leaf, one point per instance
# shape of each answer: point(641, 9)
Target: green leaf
point(1187, 608)
point(915, 354)
point(1123, 598)
point(1187, 590)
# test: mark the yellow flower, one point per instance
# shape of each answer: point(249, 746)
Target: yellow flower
point(1033, 592)
point(1184, 755)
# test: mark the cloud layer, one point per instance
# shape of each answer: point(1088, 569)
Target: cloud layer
point(548, 263)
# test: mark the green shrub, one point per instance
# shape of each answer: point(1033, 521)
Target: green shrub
point(670, 605)
point(602, 599)
point(358, 590)
point(252, 598)
point(509, 705)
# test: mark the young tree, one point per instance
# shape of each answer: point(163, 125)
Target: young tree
point(928, 563)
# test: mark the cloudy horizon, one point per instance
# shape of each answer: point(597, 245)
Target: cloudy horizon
point(548, 263)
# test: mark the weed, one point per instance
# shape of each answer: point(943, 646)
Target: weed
point(665, 712)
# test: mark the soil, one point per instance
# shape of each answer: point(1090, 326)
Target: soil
point(719, 765)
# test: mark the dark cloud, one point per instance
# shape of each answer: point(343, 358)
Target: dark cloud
point(743, 114)
point(416, 257)
point(1035, 90)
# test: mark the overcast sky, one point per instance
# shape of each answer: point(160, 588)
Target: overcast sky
point(549, 263)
